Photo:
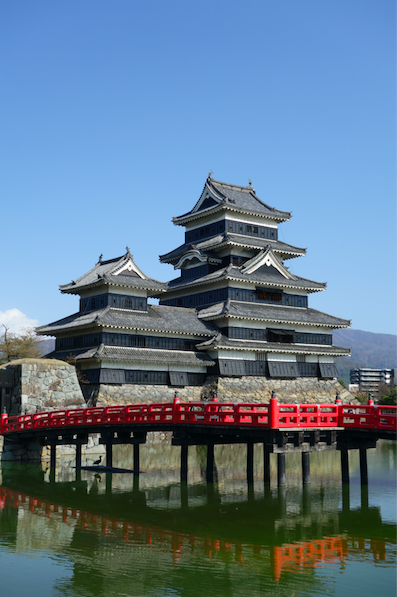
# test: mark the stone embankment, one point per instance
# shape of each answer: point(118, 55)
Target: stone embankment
point(42, 385)
point(230, 389)
point(38, 385)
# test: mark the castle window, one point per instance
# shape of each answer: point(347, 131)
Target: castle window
point(127, 303)
point(235, 260)
point(180, 303)
point(249, 229)
point(281, 336)
point(268, 295)
point(255, 230)
point(92, 304)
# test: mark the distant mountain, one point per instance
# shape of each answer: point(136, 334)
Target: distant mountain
point(47, 345)
point(377, 351)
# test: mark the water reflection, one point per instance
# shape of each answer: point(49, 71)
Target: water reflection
point(152, 535)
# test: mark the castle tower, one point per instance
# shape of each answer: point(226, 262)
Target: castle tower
point(232, 270)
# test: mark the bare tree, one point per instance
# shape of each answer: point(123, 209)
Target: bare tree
point(25, 344)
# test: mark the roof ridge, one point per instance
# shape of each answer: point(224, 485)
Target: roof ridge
point(114, 260)
point(248, 189)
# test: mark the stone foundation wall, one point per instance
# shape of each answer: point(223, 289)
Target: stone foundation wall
point(230, 389)
point(142, 394)
point(48, 384)
point(44, 384)
point(302, 390)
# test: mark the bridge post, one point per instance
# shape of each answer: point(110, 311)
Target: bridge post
point(281, 470)
point(273, 411)
point(344, 458)
point(210, 463)
point(306, 468)
point(363, 466)
point(184, 458)
point(266, 464)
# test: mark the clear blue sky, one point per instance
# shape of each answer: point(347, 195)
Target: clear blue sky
point(113, 113)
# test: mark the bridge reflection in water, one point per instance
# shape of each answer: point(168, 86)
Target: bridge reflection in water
point(276, 533)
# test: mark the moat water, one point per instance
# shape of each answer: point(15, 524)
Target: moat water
point(112, 535)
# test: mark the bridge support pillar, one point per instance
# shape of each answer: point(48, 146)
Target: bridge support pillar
point(344, 458)
point(306, 500)
point(345, 498)
point(266, 464)
point(109, 477)
point(250, 463)
point(136, 459)
point(364, 497)
point(53, 455)
point(363, 466)
point(78, 455)
point(210, 463)
point(250, 470)
point(184, 457)
point(281, 470)
point(109, 454)
point(306, 468)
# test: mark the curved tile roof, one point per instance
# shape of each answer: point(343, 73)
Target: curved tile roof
point(235, 197)
point(157, 318)
point(272, 313)
point(145, 355)
point(220, 341)
point(265, 276)
point(229, 239)
point(121, 271)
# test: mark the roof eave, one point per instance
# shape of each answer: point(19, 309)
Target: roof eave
point(201, 282)
point(184, 219)
point(224, 314)
point(103, 282)
point(334, 351)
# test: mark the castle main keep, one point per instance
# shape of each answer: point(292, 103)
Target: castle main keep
point(235, 322)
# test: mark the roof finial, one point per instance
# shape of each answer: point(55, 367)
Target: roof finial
point(249, 182)
point(128, 250)
point(210, 174)
point(100, 258)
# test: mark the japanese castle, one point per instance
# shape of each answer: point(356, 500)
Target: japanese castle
point(234, 311)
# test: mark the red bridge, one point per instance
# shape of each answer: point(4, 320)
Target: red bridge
point(209, 414)
point(282, 428)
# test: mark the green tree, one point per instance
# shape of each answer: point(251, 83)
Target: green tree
point(390, 399)
point(23, 345)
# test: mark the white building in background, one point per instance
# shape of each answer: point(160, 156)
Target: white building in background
point(366, 379)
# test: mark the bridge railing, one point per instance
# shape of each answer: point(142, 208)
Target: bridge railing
point(307, 415)
point(272, 415)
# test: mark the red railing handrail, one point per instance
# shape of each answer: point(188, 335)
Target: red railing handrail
point(242, 414)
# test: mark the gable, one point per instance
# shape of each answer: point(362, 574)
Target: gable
point(266, 262)
point(128, 268)
point(206, 200)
